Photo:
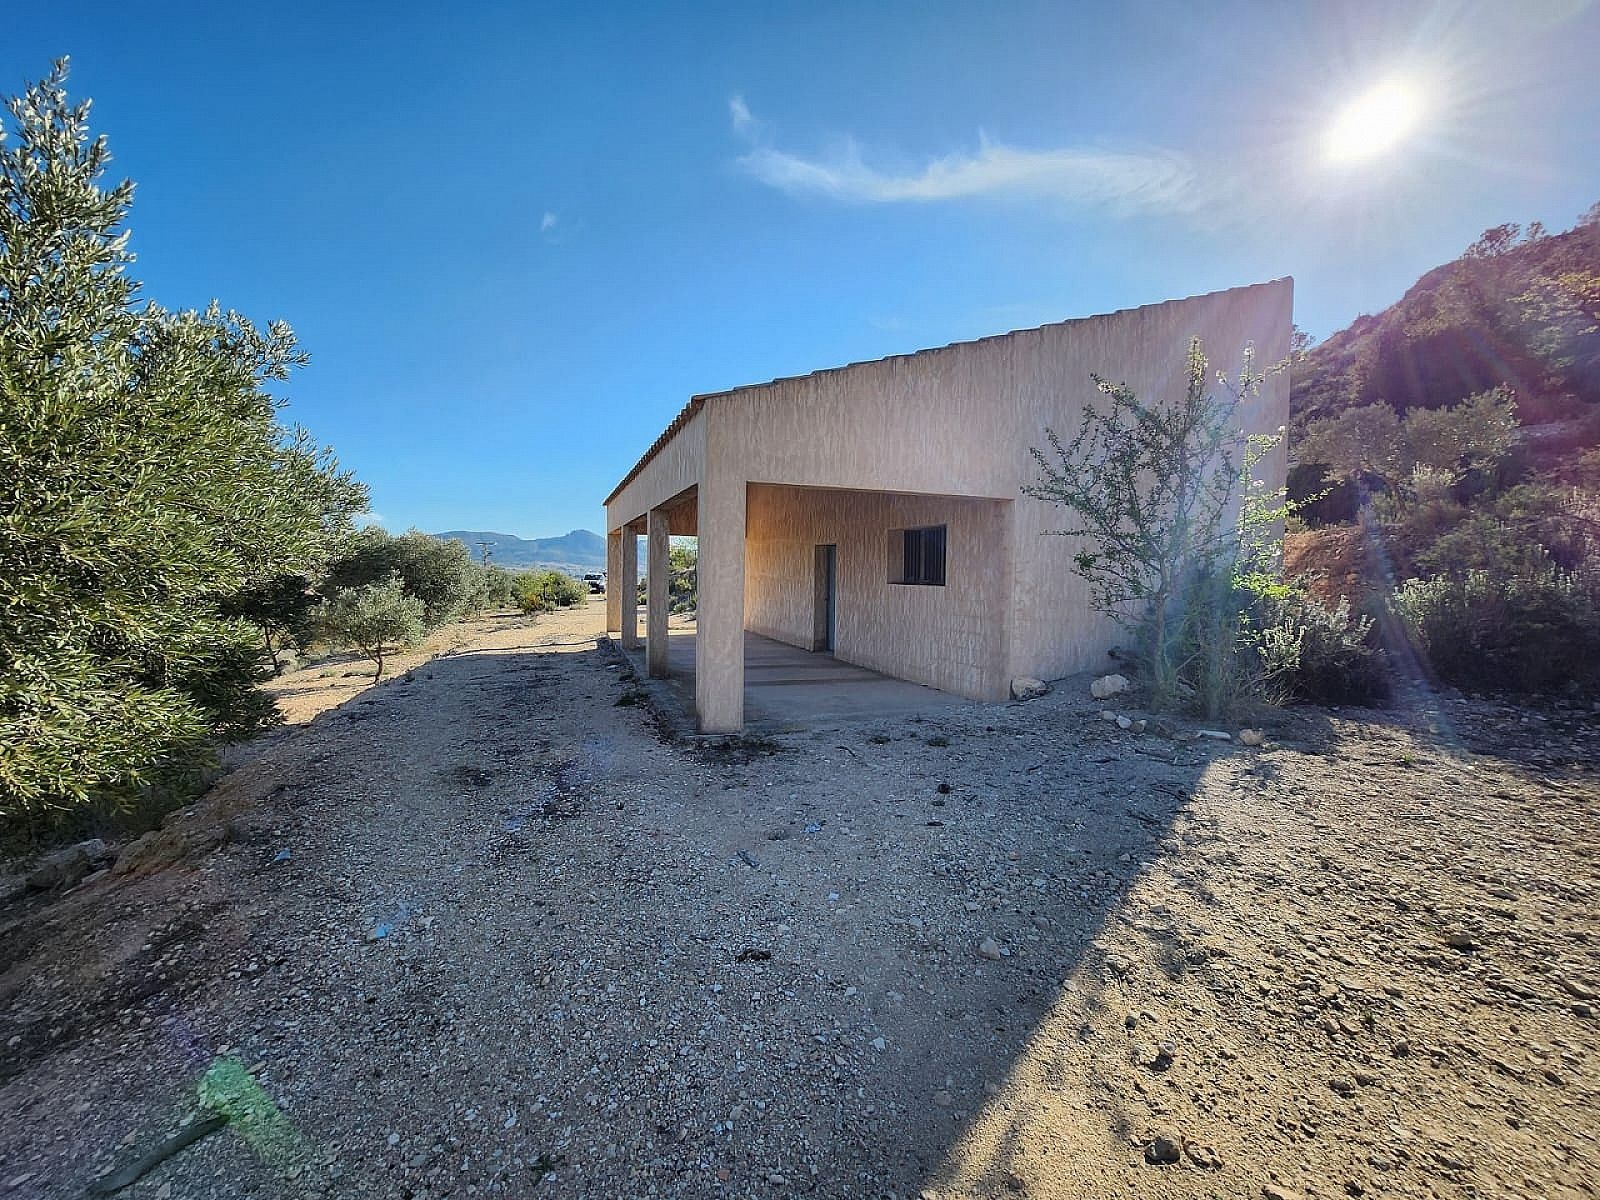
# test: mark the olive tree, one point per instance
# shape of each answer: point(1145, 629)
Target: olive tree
point(144, 480)
point(378, 619)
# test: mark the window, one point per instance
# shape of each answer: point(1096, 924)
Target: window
point(922, 556)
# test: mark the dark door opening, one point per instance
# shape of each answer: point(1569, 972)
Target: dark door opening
point(827, 590)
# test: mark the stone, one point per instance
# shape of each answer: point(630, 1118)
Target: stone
point(1164, 1147)
point(1202, 1155)
point(1579, 987)
point(66, 867)
point(1460, 939)
point(1251, 737)
point(1025, 687)
point(990, 949)
point(943, 1099)
point(1343, 1085)
point(1107, 686)
point(1216, 735)
point(1271, 1191)
point(1124, 722)
point(157, 849)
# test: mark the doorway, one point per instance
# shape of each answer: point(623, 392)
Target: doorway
point(826, 593)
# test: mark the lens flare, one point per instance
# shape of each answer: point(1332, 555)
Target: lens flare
point(1373, 123)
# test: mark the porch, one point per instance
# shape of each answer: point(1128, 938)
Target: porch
point(786, 688)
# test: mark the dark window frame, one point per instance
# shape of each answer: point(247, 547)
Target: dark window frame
point(924, 553)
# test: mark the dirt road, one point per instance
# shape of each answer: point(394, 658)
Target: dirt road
point(520, 946)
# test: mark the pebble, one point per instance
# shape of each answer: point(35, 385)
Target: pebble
point(989, 948)
point(1165, 1147)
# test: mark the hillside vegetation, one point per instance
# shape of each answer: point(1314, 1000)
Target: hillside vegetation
point(1458, 429)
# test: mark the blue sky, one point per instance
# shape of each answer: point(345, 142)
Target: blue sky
point(516, 237)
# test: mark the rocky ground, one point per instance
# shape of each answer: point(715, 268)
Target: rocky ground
point(480, 931)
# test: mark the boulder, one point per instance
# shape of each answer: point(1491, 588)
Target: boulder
point(64, 868)
point(154, 850)
point(1107, 686)
point(1025, 687)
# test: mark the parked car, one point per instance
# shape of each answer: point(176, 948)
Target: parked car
point(596, 582)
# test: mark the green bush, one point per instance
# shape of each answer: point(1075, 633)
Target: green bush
point(1319, 655)
point(377, 619)
point(1485, 631)
point(439, 573)
point(542, 591)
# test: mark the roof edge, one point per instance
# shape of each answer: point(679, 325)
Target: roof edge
point(697, 402)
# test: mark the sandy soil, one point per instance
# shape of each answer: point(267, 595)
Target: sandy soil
point(521, 946)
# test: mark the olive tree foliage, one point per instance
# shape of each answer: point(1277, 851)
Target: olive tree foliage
point(439, 573)
point(144, 481)
point(1151, 488)
point(377, 619)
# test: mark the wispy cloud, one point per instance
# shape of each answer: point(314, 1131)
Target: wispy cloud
point(1123, 181)
point(547, 222)
point(362, 520)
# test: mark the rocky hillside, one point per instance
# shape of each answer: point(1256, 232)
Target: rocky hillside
point(1520, 308)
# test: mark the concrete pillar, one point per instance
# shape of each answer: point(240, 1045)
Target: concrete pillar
point(613, 581)
point(658, 599)
point(628, 588)
point(719, 629)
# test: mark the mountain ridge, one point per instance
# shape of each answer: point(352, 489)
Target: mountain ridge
point(577, 550)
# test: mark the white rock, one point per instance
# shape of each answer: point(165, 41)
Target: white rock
point(989, 948)
point(1025, 687)
point(1124, 722)
point(1252, 737)
point(1107, 686)
point(1214, 734)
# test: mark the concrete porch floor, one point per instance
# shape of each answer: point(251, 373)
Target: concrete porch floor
point(786, 688)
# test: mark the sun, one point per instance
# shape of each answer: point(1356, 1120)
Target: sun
point(1373, 122)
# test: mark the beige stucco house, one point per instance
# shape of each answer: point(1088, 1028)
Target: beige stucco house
point(876, 510)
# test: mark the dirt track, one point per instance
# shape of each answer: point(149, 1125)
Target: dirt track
point(1360, 961)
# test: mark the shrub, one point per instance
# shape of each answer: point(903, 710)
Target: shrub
point(377, 619)
point(542, 591)
point(1318, 654)
point(1485, 631)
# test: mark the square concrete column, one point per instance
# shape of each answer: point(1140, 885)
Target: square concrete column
point(719, 628)
point(613, 581)
point(628, 588)
point(658, 574)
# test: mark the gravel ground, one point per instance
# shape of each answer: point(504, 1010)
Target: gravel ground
point(522, 946)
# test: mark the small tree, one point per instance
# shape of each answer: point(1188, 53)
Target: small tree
point(1148, 486)
point(377, 619)
point(281, 608)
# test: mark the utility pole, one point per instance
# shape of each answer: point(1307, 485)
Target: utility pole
point(487, 548)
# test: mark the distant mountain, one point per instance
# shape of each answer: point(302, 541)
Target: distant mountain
point(577, 552)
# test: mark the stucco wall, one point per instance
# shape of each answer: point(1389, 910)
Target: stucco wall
point(950, 637)
point(960, 421)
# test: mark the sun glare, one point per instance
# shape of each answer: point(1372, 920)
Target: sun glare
point(1373, 123)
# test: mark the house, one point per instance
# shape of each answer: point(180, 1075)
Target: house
point(875, 511)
